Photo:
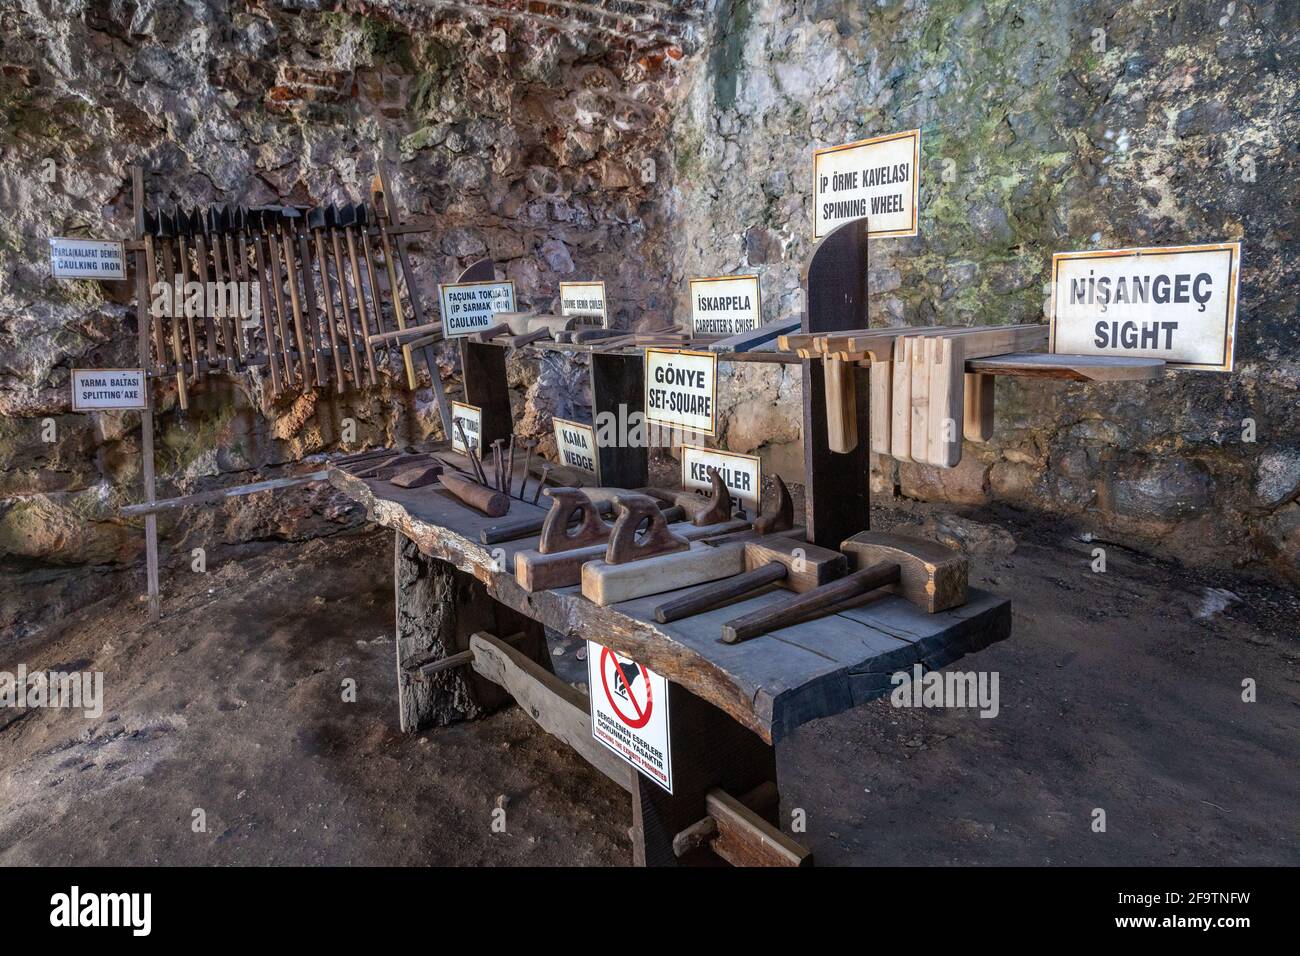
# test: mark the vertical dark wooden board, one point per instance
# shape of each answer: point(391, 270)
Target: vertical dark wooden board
point(484, 367)
point(836, 487)
point(620, 380)
point(709, 749)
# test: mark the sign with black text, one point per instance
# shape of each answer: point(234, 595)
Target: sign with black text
point(576, 444)
point(470, 419)
point(469, 307)
point(725, 305)
point(681, 389)
point(108, 388)
point(629, 712)
point(878, 178)
point(742, 474)
point(87, 258)
point(1177, 303)
point(586, 299)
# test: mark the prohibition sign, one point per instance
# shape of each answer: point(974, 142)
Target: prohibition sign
point(642, 713)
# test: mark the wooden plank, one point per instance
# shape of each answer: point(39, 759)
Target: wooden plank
point(763, 335)
point(977, 408)
point(919, 363)
point(841, 405)
point(947, 383)
point(559, 708)
point(836, 492)
point(745, 839)
point(900, 405)
point(881, 384)
point(618, 389)
point(1079, 368)
point(142, 301)
point(606, 583)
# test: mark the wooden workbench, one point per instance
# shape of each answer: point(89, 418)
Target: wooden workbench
point(730, 704)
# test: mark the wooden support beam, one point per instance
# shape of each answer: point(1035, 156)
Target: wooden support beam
point(559, 708)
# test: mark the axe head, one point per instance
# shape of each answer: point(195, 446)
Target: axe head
point(181, 223)
point(230, 219)
point(214, 218)
point(164, 225)
point(316, 218)
point(150, 223)
point(289, 213)
point(331, 216)
point(196, 222)
point(363, 215)
point(347, 215)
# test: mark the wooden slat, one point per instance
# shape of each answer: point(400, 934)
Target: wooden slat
point(560, 709)
point(977, 410)
point(900, 406)
point(746, 839)
point(763, 335)
point(1079, 368)
point(919, 363)
point(170, 504)
point(947, 389)
point(881, 384)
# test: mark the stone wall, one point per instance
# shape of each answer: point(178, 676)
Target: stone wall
point(1047, 126)
point(523, 136)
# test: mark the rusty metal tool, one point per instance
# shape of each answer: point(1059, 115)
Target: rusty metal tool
point(315, 219)
point(266, 221)
point(287, 220)
point(181, 230)
point(332, 223)
point(195, 227)
point(347, 220)
point(546, 470)
point(530, 446)
point(296, 222)
point(377, 200)
point(250, 232)
point(720, 508)
point(163, 229)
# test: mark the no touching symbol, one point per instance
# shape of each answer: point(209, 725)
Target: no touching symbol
point(609, 666)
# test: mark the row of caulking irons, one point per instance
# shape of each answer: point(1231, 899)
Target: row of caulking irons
point(266, 296)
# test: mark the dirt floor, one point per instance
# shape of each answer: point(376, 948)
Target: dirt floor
point(1119, 691)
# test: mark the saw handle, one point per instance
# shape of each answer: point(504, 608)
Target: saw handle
point(711, 595)
point(810, 604)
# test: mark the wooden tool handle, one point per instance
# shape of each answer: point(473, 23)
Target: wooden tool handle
point(492, 503)
point(803, 606)
point(711, 595)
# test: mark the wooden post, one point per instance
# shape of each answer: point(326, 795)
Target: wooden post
point(438, 608)
point(484, 368)
point(142, 318)
point(709, 750)
point(618, 387)
point(836, 490)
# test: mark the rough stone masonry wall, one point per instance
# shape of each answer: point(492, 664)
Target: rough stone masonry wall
point(522, 136)
point(1049, 125)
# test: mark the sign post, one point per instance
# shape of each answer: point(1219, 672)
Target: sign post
point(469, 307)
point(742, 474)
point(87, 258)
point(471, 420)
point(585, 300)
point(629, 713)
point(725, 305)
point(1176, 303)
point(681, 390)
point(96, 390)
point(576, 444)
point(877, 179)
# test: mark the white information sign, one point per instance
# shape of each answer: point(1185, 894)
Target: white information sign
point(725, 305)
point(629, 712)
point(1177, 303)
point(87, 258)
point(469, 307)
point(742, 474)
point(681, 389)
point(878, 178)
point(577, 446)
point(96, 389)
point(584, 299)
point(471, 419)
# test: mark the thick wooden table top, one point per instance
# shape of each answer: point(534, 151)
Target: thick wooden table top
point(771, 684)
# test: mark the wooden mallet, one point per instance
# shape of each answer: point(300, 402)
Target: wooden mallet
point(929, 575)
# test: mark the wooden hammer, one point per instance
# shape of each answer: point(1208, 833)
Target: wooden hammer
point(929, 575)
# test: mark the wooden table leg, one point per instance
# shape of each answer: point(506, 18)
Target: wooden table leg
point(438, 607)
point(709, 749)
